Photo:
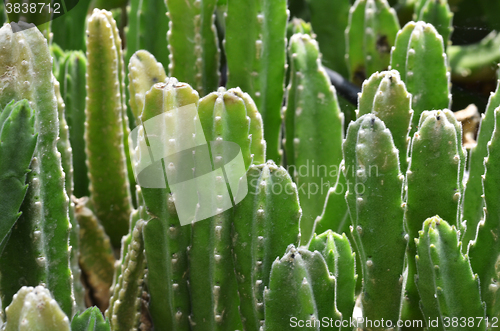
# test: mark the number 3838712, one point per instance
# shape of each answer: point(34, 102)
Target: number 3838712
point(32, 8)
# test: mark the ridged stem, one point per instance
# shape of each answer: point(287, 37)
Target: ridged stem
point(35, 309)
point(125, 305)
point(432, 187)
point(90, 320)
point(73, 91)
point(104, 134)
point(370, 34)
point(419, 57)
point(374, 199)
point(264, 224)
point(385, 96)
point(38, 250)
point(329, 20)
point(484, 251)
point(96, 254)
point(313, 130)
point(255, 47)
point(143, 17)
point(18, 141)
point(441, 269)
point(64, 148)
point(340, 259)
point(473, 201)
point(193, 45)
point(165, 241)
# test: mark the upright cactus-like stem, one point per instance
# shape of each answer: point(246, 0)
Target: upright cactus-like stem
point(144, 72)
point(484, 251)
point(384, 95)
point(258, 147)
point(96, 254)
point(329, 20)
point(324, 286)
point(256, 53)
point(192, 40)
point(165, 241)
point(64, 148)
point(349, 168)
point(58, 56)
point(144, 17)
point(438, 14)
point(35, 309)
point(125, 305)
point(301, 279)
point(370, 34)
point(313, 130)
point(38, 249)
point(232, 116)
point(167, 273)
point(441, 266)
point(123, 94)
point(70, 29)
point(297, 25)
point(376, 200)
point(337, 252)
point(138, 214)
point(436, 149)
point(462, 156)
point(433, 187)
point(298, 294)
point(90, 320)
point(421, 61)
point(473, 201)
point(73, 90)
point(18, 141)
point(225, 116)
point(264, 223)
point(109, 185)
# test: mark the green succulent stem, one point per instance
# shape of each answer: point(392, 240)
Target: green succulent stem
point(90, 320)
point(96, 255)
point(419, 57)
point(35, 309)
point(473, 201)
point(370, 35)
point(435, 164)
point(38, 248)
point(166, 242)
point(313, 125)
point(441, 266)
point(264, 224)
point(256, 62)
point(17, 145)
point(192, 40)
point(104, 134)
point(483, 251)
point(375, 198)
point(72, 77)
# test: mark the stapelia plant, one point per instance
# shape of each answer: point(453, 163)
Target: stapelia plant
point(345, 201)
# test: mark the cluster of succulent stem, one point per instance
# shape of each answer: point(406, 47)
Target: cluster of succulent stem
point(407, 227)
